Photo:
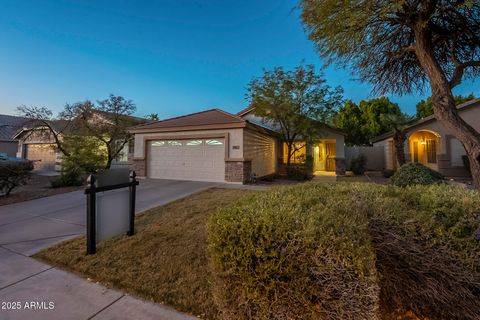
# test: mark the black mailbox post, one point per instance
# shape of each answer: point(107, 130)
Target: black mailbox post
point(91, 192)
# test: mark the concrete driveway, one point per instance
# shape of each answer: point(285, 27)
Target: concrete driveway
point(29, 227)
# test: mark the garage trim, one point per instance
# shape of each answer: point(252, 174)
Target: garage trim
point(145, 159)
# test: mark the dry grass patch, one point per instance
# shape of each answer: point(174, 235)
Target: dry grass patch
point(166, 260)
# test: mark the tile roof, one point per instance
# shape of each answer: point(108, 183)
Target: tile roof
point(460, 107)
point(208, 117)
point(9, 125)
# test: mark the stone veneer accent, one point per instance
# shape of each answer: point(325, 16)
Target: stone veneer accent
point(340, 166)
point(238, 171)
point(138, 165)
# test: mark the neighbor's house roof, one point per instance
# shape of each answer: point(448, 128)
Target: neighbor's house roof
point(324, 126)
point(463, 106)
point(204, 120)
point(9, 125)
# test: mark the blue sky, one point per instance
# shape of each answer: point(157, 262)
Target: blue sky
point(170, 57)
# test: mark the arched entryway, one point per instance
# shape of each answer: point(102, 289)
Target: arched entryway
point(424, 147)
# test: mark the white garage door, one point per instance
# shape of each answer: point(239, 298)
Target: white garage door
point(196, 159)
point(42, 155)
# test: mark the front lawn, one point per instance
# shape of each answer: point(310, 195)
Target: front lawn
point(165, 261)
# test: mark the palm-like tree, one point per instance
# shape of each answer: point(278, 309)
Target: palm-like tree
point(399, 123)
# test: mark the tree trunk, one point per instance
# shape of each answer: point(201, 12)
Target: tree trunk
point(289, 153)
point(444, 107)
point(109, 157)
point(399, 140)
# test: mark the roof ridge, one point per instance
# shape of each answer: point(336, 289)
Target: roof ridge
point(229, 114)
point(173, 118)
point(245, 110)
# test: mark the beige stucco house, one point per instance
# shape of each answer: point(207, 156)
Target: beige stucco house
point(215, 145)
point(431, 144)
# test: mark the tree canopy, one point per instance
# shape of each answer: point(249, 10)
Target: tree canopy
point(403, 46)
point(425, 107)
point(294, 101)
point(366, 120)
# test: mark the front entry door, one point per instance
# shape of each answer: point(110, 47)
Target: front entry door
point(330, 158)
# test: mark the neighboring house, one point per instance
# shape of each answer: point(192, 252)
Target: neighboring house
point(429, 143)
point(9, 125)
point(215, 145)
point(38, 145)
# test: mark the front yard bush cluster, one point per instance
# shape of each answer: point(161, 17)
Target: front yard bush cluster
point(13, 174)
point(348, 251)
point(415, 173)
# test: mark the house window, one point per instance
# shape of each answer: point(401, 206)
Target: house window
point(122, 156)
point(299, 154)
point(431, 151)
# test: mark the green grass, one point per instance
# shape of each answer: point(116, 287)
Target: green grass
point(166, 260)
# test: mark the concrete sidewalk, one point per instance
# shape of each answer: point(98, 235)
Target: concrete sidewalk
point(39, 291)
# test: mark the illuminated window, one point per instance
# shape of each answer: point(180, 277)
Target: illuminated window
point(214, 142)
point(158, 143)
point(174, 143)
point(194, 143)
point(299, 153)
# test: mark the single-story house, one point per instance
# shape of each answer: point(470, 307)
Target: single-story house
point(431, 144)
point(9, 125)
point(37, 143)
point(215, 145)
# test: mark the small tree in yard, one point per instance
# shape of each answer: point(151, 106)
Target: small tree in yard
point(294, 101)
point(398, 124)
point(401, 46)
point(107, 122)
point(79, 123)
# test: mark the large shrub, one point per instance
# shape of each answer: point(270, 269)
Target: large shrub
point(293, 253)
point(14, 174)
point(357, 164)
point(427, 244)
point(86, 155)
point(414, 174)
point(321, 251)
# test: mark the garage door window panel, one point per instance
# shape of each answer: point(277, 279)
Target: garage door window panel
point(214, 142)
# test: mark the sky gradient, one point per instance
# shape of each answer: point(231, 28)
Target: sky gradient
point(170, 57)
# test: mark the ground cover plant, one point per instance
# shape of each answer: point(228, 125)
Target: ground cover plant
point(414, 174)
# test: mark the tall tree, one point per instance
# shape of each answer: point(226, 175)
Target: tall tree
point(294, 101)
point(367, 120)
point(403, 46)
point(425, 107)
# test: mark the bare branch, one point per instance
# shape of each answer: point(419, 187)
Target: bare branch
point(457, 75)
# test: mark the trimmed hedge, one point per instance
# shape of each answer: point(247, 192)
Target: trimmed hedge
point(415, 173)
point(293, 253)
point(14, 174)
point(348, 251)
